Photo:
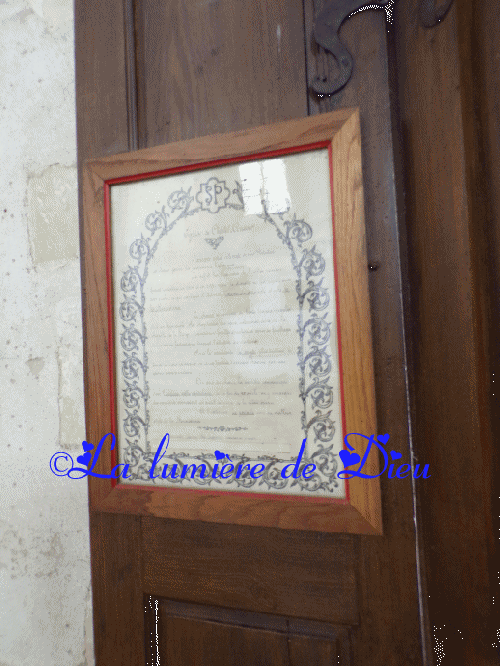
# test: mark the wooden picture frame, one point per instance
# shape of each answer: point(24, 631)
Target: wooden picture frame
point(339, 133)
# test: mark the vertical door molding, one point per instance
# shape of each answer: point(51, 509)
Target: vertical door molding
point(104, 109)
point(370, 87)
point(447, 128)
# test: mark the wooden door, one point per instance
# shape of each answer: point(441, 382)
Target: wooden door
point(183, 592)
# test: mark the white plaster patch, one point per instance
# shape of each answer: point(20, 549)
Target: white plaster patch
point(37, 7)
point(88, 631)
point(71, 411)
point(35, 365)
point(57, 14)
point(53, 214)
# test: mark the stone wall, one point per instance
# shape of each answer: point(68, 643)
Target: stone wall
point(45, 602)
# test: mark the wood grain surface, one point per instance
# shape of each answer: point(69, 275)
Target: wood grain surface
point(213, 67)
point(195, 637)
point(262, 571)
point(102, 128)
point(267, 56)
point(388, 570)
point(451, 215)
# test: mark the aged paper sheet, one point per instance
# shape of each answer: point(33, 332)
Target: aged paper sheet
point(225, 321)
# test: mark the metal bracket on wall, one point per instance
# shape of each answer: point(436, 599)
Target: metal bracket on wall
point(430, 15)
point(327, 24)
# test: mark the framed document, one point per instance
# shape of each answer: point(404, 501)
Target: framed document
point(228, 340)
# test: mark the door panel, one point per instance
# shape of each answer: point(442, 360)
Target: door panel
point(300, 574)
point(191, 634)
point(208, 67)
point(216, 66)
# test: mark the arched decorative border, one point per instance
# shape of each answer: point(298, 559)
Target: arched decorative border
point(314, 361)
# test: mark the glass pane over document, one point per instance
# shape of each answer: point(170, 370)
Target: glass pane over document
point(225, 327)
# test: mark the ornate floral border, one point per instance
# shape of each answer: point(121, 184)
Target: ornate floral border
point(313, 359)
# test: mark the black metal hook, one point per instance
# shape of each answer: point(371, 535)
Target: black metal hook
point(326, 27)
